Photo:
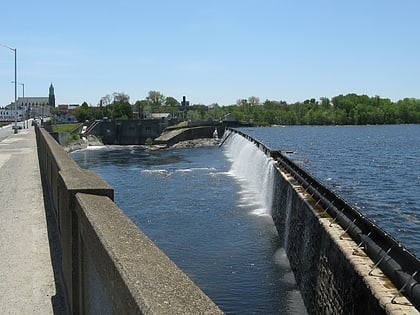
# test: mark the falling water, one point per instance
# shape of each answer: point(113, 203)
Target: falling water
point(255, 174)
point(254, 170)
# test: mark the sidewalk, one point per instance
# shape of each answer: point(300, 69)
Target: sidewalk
point(29, 255)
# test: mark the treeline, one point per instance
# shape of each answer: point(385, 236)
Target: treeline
point(350, 109)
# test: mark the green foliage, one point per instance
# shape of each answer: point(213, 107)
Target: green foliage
point(149, 141)
point(155, 100)
point(72, 138)
point(83, 112)
point(340, 110)
point(121, 97)
point(70, 129)
point(65, 127)
point(121, 110)
point(139, 107)
point(171, 101)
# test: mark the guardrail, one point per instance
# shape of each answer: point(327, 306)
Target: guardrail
point(396, 262)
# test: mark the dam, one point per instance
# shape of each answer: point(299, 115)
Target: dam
point(331, 297)
point(306, 212)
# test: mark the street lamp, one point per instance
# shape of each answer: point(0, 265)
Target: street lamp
point(23, 96)
point(15, 51)
point(23, 88)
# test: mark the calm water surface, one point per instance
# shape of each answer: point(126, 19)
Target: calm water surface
point(376, 168)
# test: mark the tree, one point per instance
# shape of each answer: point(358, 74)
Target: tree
point(156, 99)
point(253, 100)
point(121, 97)
point(242, 102)
point(121, 110)
point(83, 112)
point(139, 107)
point(172, 102)
point(106, 100)
point(325, 102)
point(200, 110)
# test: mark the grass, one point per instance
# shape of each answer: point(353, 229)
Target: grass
point(65, 127)
point(69, 128)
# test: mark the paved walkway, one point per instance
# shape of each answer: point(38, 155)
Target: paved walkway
point(29, 255)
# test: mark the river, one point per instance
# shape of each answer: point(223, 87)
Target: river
point(375, 168)
point(197, 207)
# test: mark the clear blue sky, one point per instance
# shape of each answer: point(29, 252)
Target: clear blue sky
point(211, 51)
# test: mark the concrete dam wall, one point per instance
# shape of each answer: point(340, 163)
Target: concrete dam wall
point(342, 262)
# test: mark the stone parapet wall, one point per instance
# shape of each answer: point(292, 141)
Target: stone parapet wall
point(108, 265)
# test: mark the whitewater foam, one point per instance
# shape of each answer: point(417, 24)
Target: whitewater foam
point(254, 172)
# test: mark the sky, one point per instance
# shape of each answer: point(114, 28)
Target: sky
point(214, 51)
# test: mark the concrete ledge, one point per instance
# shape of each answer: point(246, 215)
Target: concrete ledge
point(174, 136)
point(137, 276)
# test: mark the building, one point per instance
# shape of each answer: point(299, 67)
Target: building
point(51, 96)
point(9, 114)
point(64, 113)
point(29, 107)
point(34, 107)
point(163, 118)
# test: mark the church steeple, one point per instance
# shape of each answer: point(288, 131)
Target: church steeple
point(51, 96)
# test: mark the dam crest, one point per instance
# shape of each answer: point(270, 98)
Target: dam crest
point(343, 263)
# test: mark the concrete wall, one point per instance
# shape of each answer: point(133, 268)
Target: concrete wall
point(333, 274)
point(108, 265)
point(60, 137)
point(129, 132)
point(132, 132)
point(174, 136)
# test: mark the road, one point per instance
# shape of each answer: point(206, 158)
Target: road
point(5, 132)
point(29, 251)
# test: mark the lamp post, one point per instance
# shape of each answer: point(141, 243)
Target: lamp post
point(23, 88)
point(15, 51)
point(23, 96)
